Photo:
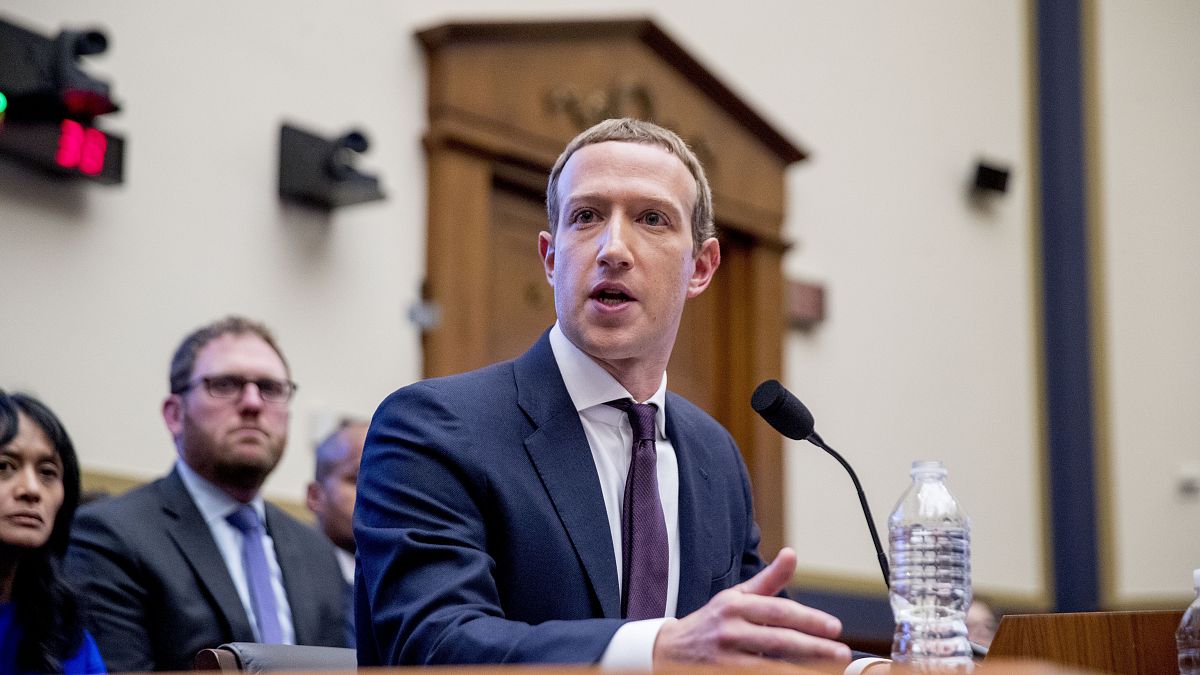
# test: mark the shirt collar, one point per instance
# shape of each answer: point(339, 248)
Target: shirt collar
point(590, 385)
point(213, 502)
point(346, 562)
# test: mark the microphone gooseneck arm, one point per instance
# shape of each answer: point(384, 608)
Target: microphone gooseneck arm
point(816, 440)
point(783, 411)
point(790, 417)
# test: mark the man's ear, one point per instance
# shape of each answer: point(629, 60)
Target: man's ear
point(704, 265)
point(546, 253)
point(172, 412)
point(315, 499)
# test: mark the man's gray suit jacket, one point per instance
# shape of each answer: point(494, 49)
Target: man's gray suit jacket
point(154, 587)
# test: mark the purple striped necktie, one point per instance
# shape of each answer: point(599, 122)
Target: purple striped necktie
point(644, 551)
point(258, 574)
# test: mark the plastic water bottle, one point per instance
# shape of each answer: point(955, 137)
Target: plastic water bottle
point(1188, 635)
point(930, 543)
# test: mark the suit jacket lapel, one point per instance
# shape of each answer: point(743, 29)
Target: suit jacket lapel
point(691, 454)
point(190, 533)
point(297, 583)
point(560, 453)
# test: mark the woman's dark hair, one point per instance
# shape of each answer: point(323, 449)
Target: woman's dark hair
point(44, 606)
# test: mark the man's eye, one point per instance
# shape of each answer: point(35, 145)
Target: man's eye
point(654, 218)
point(227, 384)
point(584, 216)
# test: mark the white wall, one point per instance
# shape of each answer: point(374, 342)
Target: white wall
point(102, 283)
point(1148, 104)
point(929, 349)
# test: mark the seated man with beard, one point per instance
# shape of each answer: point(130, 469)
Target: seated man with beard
point(198, 558)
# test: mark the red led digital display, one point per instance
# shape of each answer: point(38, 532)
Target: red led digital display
point(65, 147)
point(70, 144)
point(95, 144)
point(81, 148)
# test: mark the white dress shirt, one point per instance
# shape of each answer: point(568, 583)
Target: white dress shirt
point(610, 438)
point(215, 505)
point(346, 562)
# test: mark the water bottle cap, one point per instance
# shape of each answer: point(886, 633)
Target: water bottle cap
point(928, 467)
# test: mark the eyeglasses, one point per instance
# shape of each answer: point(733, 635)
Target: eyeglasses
point(232, 386)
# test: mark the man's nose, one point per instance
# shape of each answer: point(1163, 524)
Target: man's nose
point(251, 397)
point(614, 245)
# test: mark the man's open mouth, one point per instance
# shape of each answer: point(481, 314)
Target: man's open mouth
point(611, 297)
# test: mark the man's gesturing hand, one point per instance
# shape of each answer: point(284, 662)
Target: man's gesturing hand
point(746, 623)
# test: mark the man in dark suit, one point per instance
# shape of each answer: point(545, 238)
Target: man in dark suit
point(563, 507)
point(197, 558)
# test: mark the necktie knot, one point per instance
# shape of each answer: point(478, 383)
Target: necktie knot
point(245, 519)
point(641, 417)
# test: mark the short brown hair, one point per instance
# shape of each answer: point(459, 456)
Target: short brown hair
point(184, 360)
point(631, 130)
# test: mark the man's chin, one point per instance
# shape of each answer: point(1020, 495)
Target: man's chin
point(613, 346)
point(242, 478)
point(603, 340)
point(247, 472)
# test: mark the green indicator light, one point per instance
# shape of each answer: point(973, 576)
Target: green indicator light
point(3, 103)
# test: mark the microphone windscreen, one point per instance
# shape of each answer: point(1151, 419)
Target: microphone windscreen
point(782, 410)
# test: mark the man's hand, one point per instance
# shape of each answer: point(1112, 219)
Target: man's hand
point(747, 623)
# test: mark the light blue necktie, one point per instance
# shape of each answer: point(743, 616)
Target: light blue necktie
point(258, 574)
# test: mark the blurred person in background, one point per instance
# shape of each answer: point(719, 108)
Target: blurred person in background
point(981, 622)
point(331, 498)
point(40, 629)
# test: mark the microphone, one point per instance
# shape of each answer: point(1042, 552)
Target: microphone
point(782, 410)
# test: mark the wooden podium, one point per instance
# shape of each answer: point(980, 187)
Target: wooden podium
point(1129, 643)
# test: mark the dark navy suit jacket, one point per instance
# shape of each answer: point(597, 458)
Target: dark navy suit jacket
point(481, 530)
